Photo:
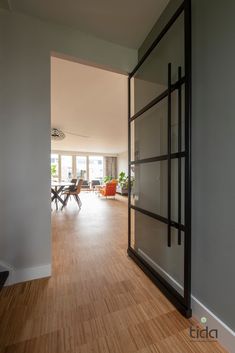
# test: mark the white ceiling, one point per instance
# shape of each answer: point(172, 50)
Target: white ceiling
point(124, 22)
point(88, 101)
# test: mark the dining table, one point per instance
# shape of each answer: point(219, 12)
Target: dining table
point(56, 188)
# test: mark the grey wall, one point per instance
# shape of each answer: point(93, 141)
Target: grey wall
point(1, 139)
point(167, 13)
point(213, 156)
point(25, 128)
point(213, 146)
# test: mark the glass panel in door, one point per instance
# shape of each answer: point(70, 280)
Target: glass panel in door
point(157, 152)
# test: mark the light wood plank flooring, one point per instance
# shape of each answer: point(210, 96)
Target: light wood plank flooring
point(97, 300)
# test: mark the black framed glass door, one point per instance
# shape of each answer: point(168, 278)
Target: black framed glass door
point(159, 134)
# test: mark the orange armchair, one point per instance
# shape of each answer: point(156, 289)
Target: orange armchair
point(109, 189)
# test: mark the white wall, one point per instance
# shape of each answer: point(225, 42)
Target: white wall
point(122, 162)
point(25, 128)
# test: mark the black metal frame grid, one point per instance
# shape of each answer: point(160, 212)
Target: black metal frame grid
point(183, 303)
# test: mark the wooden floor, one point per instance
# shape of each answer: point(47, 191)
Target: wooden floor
point(97, 299)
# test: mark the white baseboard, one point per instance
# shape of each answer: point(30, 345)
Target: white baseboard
point(28, 274)
point(5, 266)
point(226, 335)
point(175, 284)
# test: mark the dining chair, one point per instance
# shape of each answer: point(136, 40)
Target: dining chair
point(75, 193)
point(71, 187)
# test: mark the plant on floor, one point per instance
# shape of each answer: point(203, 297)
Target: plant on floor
point(123, 180)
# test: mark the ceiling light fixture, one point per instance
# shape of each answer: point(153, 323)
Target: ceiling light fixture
point(57, 135)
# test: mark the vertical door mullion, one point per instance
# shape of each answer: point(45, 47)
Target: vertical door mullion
point(179, 150)
point(129, 162)
point(187, 237)
point(169, 157)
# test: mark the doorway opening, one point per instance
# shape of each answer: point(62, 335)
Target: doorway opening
point(89, 113)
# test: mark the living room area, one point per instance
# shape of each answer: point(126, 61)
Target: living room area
point(88, 133)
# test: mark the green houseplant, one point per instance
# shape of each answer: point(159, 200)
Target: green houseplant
point(107, 179)
point(122, 179)
point(123, 182)
point(53, 170)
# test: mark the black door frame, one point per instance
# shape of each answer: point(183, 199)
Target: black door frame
point(182, 303)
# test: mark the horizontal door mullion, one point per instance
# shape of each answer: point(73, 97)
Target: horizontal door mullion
point(158, 99)
point(159, 158)
point(158, 217)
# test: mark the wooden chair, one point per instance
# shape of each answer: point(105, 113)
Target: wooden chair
point(71, 187)
point(74, 193)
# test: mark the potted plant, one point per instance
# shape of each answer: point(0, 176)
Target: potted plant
point(122, 184)
point(53, 170)
point(107, 179)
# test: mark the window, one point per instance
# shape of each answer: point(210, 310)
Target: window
point(66, 168)
point(54, 166)
point(81, 167)
point(96, 167)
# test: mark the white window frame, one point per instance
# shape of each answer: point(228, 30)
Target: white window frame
point(74, 166)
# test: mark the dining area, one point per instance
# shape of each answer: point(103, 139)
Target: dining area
point(63, 191)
